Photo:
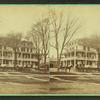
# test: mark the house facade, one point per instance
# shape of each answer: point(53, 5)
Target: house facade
point(25, 55)
point(78, 53)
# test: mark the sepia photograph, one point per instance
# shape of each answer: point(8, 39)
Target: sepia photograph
point(24, 62)
point(49, 49)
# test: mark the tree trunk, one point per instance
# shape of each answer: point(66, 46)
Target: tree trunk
point(58, 64)
point(38, 61)
point(45, 58)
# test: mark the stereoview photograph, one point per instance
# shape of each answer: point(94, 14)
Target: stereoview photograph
point(49, 49)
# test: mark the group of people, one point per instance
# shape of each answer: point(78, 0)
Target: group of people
point(78, 67)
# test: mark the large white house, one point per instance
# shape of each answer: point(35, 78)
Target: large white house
point(25, 55)
point(78, 53)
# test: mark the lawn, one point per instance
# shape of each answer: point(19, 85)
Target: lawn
point(21, 83)
point(17, 83)
point(76, 84)
point(11, 88)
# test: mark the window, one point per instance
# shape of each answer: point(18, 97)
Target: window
point(19, 55)
point(84, 47)
point(31, 49)
point(4, 47)
point(65, 55)
point(27, 49)
point(68, 54)
point(0, 54)
point(23, 49)
point(76, 47)
point(32, 56)
point(28, 55)
point(72, 54)
point(88, 49)
point(83, 54)
point(0, 46)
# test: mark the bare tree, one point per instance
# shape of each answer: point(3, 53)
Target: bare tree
point(35, 38)
point(40, 34)
point(63, 30)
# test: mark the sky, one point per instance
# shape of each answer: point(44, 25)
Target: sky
point(19, 18)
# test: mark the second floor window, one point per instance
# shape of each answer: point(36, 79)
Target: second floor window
point(84, 47)
point(88, 48)
point(0, 46)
